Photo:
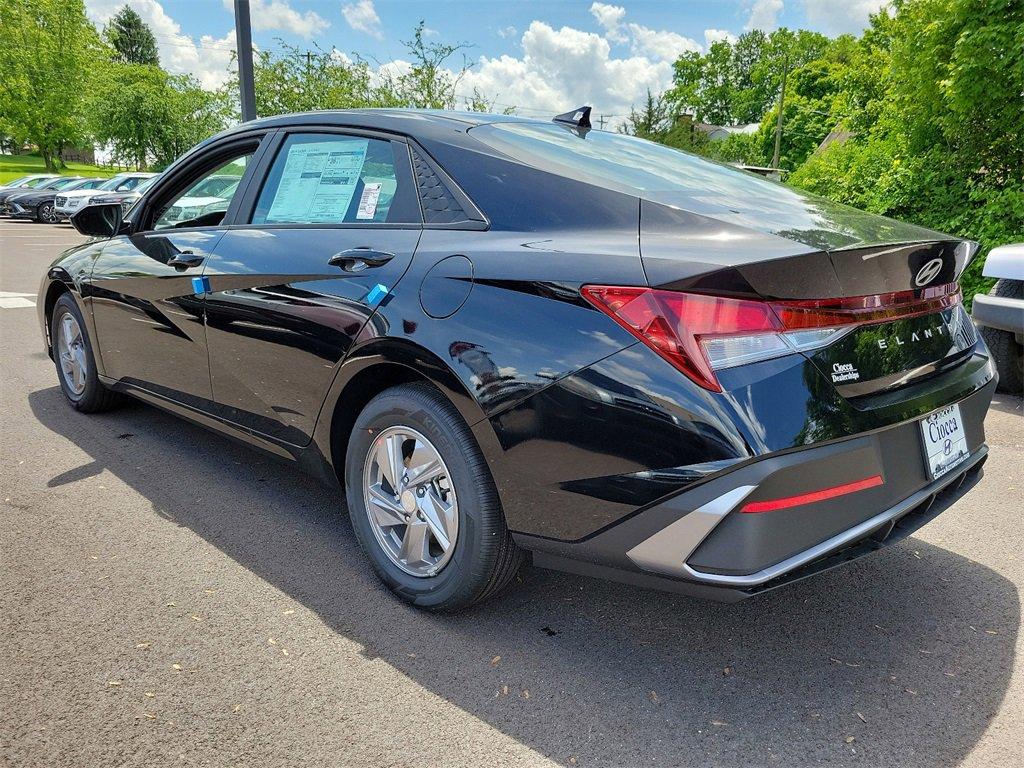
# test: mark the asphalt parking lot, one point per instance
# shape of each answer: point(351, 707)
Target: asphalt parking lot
point(170, 598)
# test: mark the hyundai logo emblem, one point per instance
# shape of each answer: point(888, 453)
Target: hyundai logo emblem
point(928, 272)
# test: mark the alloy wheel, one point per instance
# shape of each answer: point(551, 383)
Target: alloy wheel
point(74, 365)
point(47, 214)
point(410, 501)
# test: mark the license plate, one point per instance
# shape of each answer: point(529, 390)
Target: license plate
point(945, 442)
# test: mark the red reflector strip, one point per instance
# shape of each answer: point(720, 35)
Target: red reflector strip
point(813, 496)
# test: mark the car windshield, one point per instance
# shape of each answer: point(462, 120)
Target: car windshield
point(67, 183)
point(112, 182)
point(80, 184)
point(37, 183)
point(51, 183)
point(146, 184)
point(20, 181)
point(620, 162)
point(215, 186)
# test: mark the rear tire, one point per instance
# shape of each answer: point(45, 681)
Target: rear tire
point(76, 364)
point(1007, 352)
point(483, 558)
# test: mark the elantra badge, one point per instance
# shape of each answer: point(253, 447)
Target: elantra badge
point(928, 272)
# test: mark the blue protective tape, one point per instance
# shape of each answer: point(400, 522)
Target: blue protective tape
point(376, 295)
point(200, 285)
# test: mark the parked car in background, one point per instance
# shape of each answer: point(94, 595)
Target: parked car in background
point(9, 204)
point(202, 202)
point(1000, 315)
point(37, 204)
point(28, 182)
point(65, 205)
point(41, 182)
point(506, 336)
point(125, 199)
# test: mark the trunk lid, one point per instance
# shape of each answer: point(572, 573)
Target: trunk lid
point(801, 248)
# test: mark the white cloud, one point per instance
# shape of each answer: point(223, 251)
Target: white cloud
point(659, 44)
point(712, 36)
point(278, 14)
point(839, 16)
point(508, 31)
point(764, 14)
point(362, 17)
point(610, 18)
point(208, 59)
point(564, 68)
point(662, 45)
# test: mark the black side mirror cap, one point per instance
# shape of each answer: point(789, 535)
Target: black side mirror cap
point(99, 220)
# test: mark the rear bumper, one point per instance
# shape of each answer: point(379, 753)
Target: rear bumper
point(699, 542)
point(892, 527)
point(1000, 312)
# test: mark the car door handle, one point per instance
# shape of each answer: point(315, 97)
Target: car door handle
point(184, 260)
point(358, 259)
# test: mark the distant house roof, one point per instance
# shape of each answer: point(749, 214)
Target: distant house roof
point(719, 132)
point(837, 136)
point(775, 174)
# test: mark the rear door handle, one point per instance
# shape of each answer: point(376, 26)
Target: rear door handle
point(358, 259)
point(184, 260)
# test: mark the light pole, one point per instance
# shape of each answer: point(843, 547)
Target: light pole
point(243, 42)
point(782, 104)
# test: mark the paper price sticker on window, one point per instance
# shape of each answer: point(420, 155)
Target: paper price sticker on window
point(318, 181)
point(368, 201)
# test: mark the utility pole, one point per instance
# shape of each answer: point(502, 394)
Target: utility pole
point(782, 104)
point(600, 123)
point(243, 43)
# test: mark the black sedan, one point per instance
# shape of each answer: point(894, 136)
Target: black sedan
point(513, 339)
point(37, 204)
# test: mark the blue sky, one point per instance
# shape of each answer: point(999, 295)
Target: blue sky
point(537, 56)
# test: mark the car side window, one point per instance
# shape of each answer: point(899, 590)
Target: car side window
point(337, 179)
point(204, 201)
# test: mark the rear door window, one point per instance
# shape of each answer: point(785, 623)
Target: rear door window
point(325, 179)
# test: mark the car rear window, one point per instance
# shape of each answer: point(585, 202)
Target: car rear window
point(616, 161)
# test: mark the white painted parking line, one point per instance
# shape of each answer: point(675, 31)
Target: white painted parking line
point(9, 300)
point(16, 303)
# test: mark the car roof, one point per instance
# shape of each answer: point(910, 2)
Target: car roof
point(414, 122)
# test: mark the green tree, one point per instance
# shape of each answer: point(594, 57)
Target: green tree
point(294, 80)
point(47, 57)
point(195, 114)
point(656, 121)
point(131, 38)
point(479, 102)
point(934, 95)
point(428, 83)
point(147, 116)
point(737, 83)
point(648, 122)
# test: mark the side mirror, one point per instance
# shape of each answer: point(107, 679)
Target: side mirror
point(98, 220)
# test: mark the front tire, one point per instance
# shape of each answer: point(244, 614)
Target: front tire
point(423, 504)
point(76, 364)
point(1007, 352)
point(46, 214)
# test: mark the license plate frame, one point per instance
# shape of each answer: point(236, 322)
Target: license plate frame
point(944, 440)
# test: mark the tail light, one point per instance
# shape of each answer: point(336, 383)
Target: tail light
point(701, 334)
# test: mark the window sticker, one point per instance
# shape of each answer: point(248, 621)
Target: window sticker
point(368, 200)
point(318, 181)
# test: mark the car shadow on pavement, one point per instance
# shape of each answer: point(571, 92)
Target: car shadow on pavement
point(901, 659)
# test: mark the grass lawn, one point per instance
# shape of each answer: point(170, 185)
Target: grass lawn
point(13, 166)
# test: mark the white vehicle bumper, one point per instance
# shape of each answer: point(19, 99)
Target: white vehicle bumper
point(1000, 312)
